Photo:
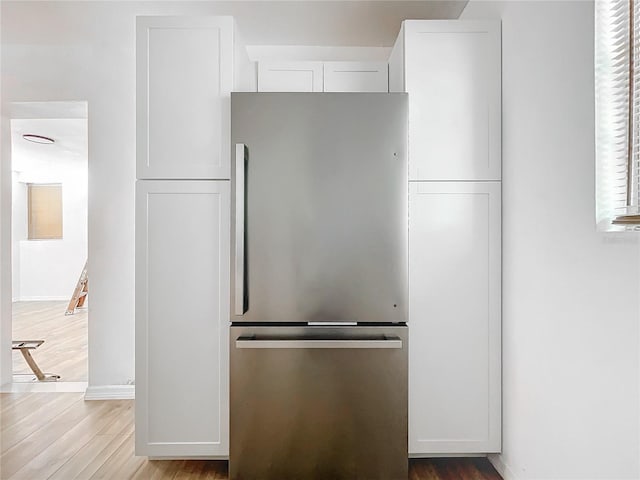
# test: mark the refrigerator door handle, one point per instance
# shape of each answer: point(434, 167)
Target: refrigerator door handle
point(239, 234)
point(351, 343)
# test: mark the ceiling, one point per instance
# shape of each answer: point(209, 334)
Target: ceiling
point(314, 22)
point(69, 149)
point(333, 23)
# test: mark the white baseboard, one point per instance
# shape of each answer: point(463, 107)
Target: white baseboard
point(42, 299)
point(503, 469)
point(110, 392)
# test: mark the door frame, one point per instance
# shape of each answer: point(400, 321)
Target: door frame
point(77, 109)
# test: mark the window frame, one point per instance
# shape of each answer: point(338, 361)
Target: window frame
point(617, 114)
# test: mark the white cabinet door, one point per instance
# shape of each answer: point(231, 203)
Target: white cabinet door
point(290, 76)
point(184, 79)
point(454, 317)
point(453, 77)
point(182, 318)
point(356, 77)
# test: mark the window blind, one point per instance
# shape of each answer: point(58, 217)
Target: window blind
point(617, 95)
point(633, 196)
point(45, 211)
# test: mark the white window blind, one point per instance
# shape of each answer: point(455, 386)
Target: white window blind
point(44, 211)
point(617, 93)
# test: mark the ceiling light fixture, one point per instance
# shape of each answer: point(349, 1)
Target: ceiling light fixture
point(30, 137)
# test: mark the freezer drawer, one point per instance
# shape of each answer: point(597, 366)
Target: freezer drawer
point(318, 403)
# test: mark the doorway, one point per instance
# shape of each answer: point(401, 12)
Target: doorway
point(49, 166)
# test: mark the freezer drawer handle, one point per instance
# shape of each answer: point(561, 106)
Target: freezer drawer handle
point(251, 342)
point(239, 260)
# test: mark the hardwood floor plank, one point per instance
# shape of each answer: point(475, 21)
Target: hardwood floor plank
point(32, 445)
point(83, 457)
point(465, 470)
point(95, 440)
point(452, 469)
point(430, 471)
point(486, 469)
point(64, 351)
point(122, 464)
point(18, 425)
point(54, 456)
point(181, 469)
point(216, 470)
point(158, 470)
point(101, 458)
point(11, 402)
point(88, 460)
point(20, 403)
point(191, 469)
point(124, 419)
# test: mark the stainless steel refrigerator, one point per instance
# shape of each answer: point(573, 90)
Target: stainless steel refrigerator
point(318, 385)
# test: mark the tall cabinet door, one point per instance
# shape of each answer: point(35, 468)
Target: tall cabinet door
point(454, 317)
point(452, 71)
point(184, 79)
point(182, 318)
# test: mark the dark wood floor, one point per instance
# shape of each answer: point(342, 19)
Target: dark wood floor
point(452, 469)
point(60, 436)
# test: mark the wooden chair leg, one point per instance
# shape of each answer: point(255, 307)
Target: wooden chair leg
point(32, 363)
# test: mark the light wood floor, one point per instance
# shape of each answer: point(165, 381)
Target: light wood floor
point(60, 436)
point(64, 351)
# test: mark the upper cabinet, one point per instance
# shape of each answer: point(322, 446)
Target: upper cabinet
point(186, 69)
point(356, 77)
point(452, 72)
point(301, 76)
point(290, 76)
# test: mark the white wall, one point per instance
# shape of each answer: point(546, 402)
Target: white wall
point(19, 230)
point(292, 53)
point(85, 51)
point(571, 295)
point(6, 367)
point(49, 269)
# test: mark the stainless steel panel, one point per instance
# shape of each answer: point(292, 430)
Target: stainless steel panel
point(318, 413)
point(326, 206)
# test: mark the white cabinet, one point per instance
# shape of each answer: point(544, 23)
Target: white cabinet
point(185, 73)
point(454, 317)
point(452, 72)
point(182, 318)
point(290, 76)
point(301, 76)
point(356, 77)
